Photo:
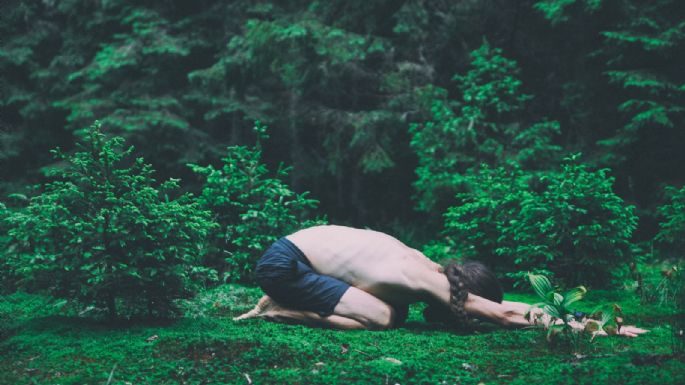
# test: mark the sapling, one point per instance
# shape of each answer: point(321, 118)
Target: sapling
point(103, 233)
point(560, 319)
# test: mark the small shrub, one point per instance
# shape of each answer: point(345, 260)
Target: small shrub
point(569, 223)
point(253, 208)
point(102, 234)
point(487, 124)
point(671, 235)
point(670, 241)
point(6, 279)
point(477, 227)
point(564, 321)
point(557, 307)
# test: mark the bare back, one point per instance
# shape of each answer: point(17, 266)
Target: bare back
point(369, 260)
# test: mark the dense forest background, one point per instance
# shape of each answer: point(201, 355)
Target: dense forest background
point(389, 112)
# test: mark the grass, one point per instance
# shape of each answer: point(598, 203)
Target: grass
point(41, 344)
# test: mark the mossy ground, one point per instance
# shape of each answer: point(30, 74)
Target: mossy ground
point(40, 345)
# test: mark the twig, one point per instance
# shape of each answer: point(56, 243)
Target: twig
point(111, 374)
point(247, 377)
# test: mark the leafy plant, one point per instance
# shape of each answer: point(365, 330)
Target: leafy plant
point(557, 307)
point(678, 323)
point(5, 275)
point(102, 234)
point(661, 285)
point(670, 241)
point(671, 235)
point(568, 222)
point(252, 208)
point(482, 127)
point(563, 320)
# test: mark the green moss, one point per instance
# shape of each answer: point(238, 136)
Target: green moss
point(206, 347)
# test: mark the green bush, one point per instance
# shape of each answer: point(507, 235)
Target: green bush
point(5, 277)
point(253, 208)
point(569, 223)
point(487, 124)
point(670, 241)
point(671, 235)
point(102, 235)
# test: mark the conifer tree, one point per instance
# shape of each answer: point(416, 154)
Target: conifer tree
point(103, 234)
point(252, 206)
point(485, 124)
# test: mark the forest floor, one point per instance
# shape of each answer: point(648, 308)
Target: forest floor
point(41, 345)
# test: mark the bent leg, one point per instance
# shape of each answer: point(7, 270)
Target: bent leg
point(312, 319)
point(357, 309)
point(366, 309)
point(268, 309)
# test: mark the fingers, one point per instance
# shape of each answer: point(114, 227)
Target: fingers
point(627, 331)
point(631, 331)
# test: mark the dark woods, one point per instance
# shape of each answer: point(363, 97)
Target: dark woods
point(533, 135)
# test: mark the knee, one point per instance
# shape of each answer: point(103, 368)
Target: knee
point(384, 318)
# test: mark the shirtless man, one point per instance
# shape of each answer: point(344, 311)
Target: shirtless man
point(347, 278)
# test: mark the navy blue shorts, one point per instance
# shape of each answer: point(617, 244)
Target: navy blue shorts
point(285, 275)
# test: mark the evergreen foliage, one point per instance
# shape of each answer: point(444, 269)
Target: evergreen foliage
point(102, 234)
point(7, 280)
point(485, 126)
point(339, 82)
point(569, 223)
point(358, 95)
point(253, 208)
point(642, 54)
point(637, 94)
point(671, 235)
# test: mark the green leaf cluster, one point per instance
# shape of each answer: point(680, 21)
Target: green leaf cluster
point(253, 208)
point(671, 235)
point(485, 125)
point(557, 306)
point(103, 233)
point(568, 222)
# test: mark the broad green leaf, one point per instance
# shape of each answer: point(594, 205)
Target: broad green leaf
point(540, 284)
point(574, 295)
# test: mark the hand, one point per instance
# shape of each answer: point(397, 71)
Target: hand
point(628, 331)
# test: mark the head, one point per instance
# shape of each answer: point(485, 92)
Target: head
point(466, 277)
point(479, 280)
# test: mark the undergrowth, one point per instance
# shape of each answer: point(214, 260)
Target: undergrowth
point(43, 342)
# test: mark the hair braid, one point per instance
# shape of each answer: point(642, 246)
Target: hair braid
point(458, 294)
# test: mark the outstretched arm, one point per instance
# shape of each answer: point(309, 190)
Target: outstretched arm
point(512, 314)
point(507, 313)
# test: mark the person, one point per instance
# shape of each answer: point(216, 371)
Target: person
point(348, 278)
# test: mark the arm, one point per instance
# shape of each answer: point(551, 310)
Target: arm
point(507, 313)
point(437, 289)
point(512, 314)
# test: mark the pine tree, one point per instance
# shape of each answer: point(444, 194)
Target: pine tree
point(102, 234)
point(252, 207)
point(484, 125)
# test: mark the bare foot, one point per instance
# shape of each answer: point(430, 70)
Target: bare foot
point(264, 306)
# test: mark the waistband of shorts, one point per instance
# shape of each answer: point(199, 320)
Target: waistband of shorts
point(291, 247)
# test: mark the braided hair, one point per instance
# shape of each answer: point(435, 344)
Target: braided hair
point(458, 294)
point(464, 278)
